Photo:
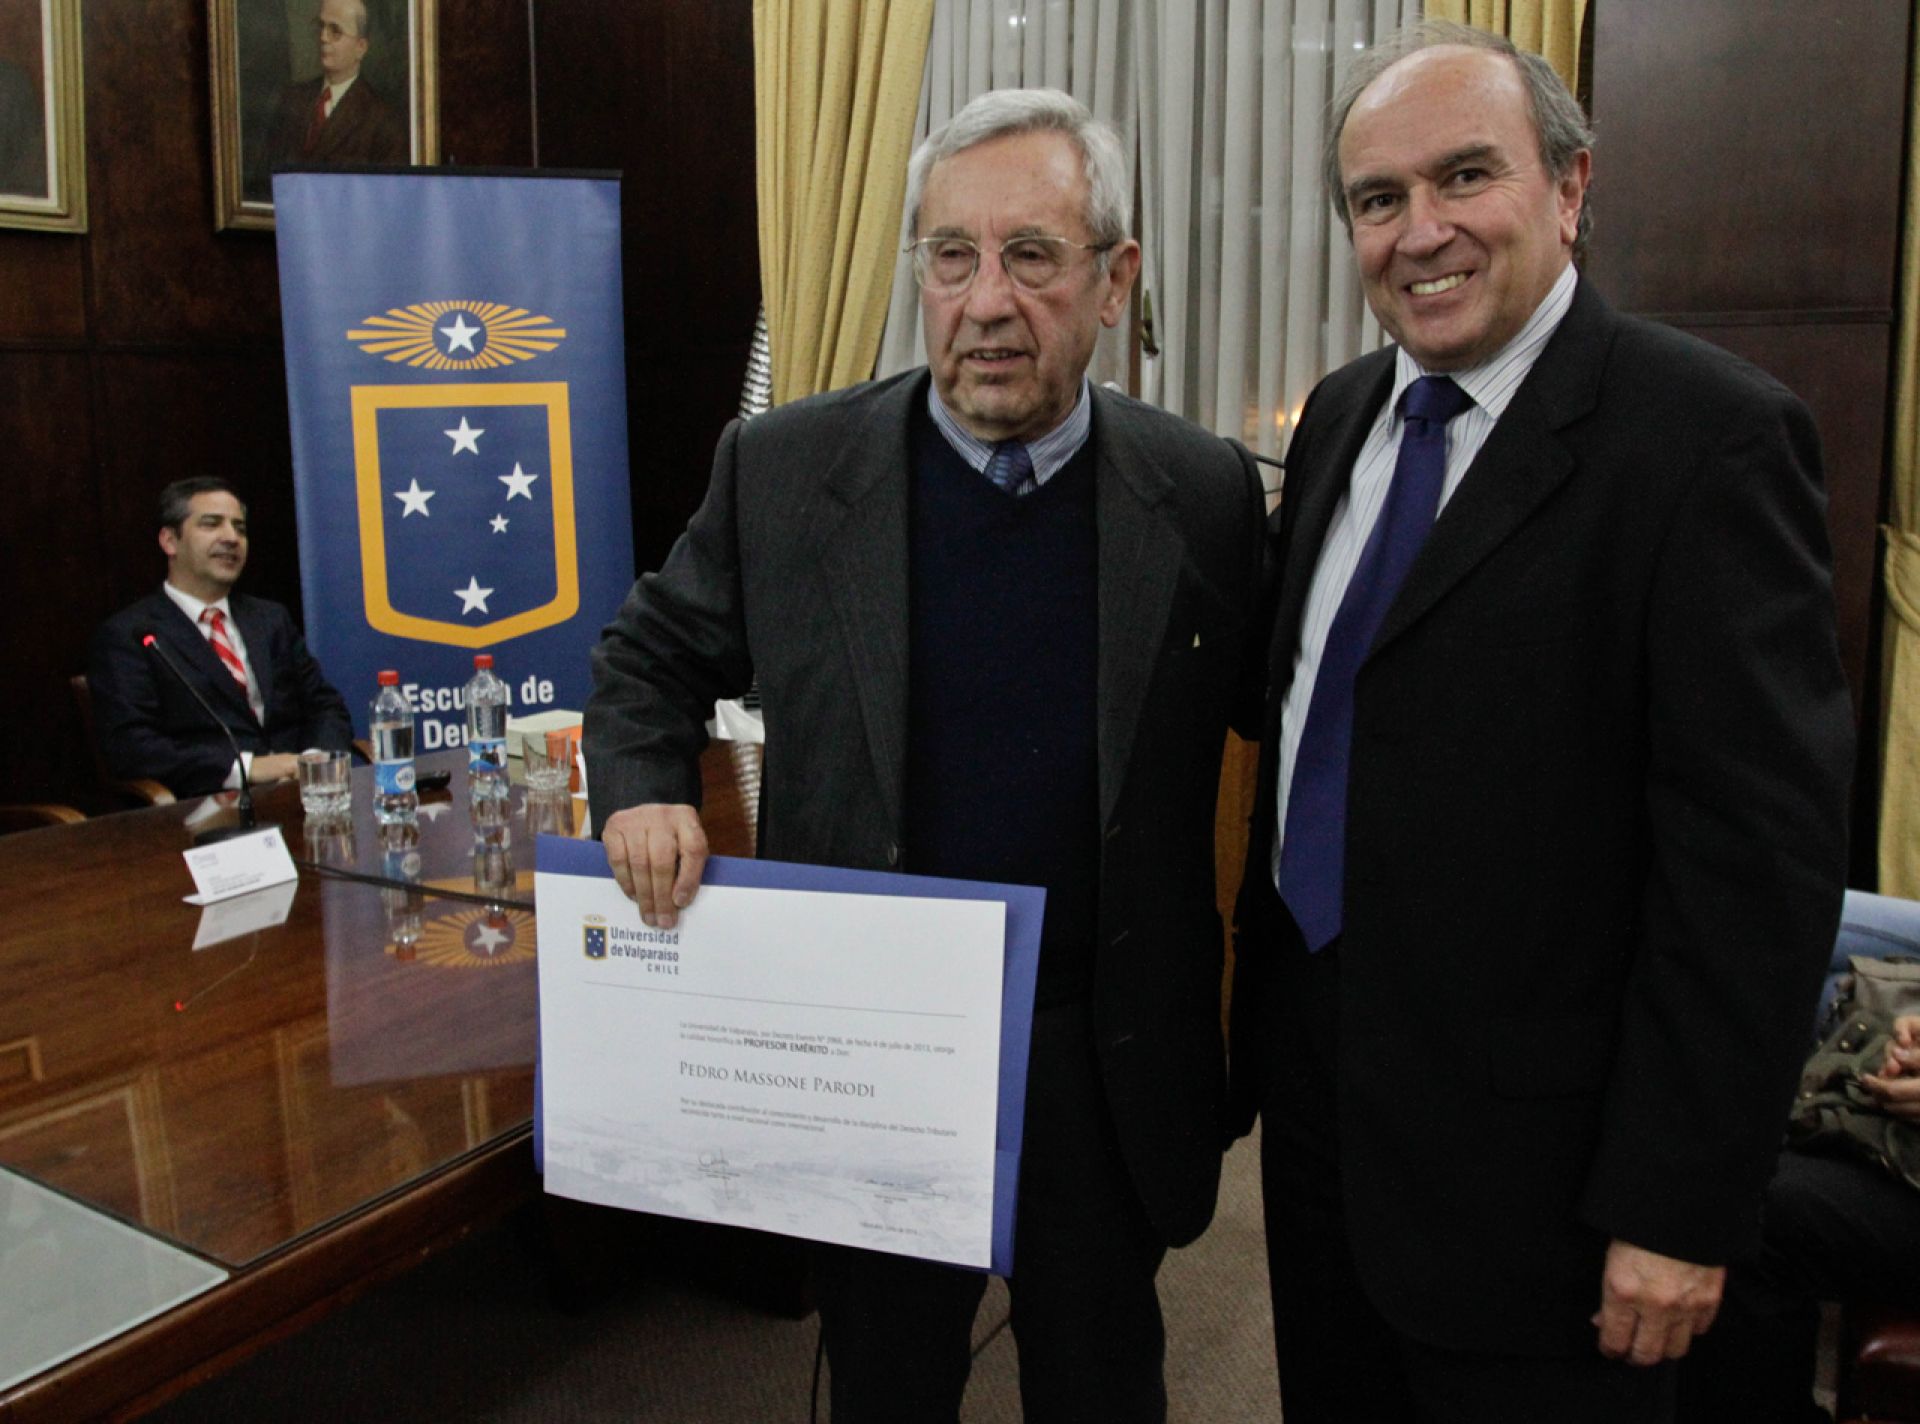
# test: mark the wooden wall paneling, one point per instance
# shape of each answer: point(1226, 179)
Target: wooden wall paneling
point(1749, 153)
point(161, 273)
point(1840, 372)
point(169, 415)
point(42, 288)
point(663, 91)
point(1748, 179)
point(53, 581)
point(486, 92)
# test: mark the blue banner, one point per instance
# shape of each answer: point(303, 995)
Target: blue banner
point(457, 389)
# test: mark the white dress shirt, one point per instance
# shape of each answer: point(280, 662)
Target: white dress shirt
point(193, 608)
point(1491, 386)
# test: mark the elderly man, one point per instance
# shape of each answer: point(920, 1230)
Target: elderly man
point(996, 618)
point(243, 655)
point(1550, 836)
point(337, 117)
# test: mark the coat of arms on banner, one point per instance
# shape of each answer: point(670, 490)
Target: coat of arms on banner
point(464, 490)
point(466, 510)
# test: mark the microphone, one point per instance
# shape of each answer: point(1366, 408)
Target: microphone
point(245, 804)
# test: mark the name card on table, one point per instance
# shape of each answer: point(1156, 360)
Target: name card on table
point(233, 867)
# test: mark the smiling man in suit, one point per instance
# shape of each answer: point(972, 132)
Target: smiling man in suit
point(1550, 837)
point(243, 654)
point(996, 617)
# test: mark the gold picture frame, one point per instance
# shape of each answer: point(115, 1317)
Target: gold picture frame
point(268, 65)
point(43, 158)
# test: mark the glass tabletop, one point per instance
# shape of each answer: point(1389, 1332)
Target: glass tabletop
point(344, 1043)
point(449, 852)
point(71, 1277)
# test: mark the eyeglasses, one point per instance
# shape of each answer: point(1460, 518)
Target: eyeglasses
point(328, 30)
point(947, 265)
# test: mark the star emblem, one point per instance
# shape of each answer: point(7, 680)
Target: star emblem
point(460, 335)
point(489, 939)
point(499, 522)
point(465, 438)
point(473, 596)
point(519, 482)
point(414, 499)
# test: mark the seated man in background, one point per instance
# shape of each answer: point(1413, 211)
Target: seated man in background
point(1832, 1228)
point(243, 655)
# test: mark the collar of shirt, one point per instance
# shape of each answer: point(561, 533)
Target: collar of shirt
point(1049, 453)
point(1491, 384)
point(339, 92)
point(193, 607)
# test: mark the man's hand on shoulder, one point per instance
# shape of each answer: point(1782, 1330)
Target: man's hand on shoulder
point(1651, 1306)
point(657, 853)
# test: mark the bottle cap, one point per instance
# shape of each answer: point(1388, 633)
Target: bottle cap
point(483, 660)
point(389, 678)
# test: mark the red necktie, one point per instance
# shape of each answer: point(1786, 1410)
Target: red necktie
point(319, 117)
point(217, 621)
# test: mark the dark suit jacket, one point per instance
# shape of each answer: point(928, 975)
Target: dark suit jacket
point(795, 568)
point(149, 725)
point(363, 128)
point(1596, 830)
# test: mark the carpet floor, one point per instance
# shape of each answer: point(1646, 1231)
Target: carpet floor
point(474, 1334)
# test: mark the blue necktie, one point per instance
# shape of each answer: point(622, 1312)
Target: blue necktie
point(1312, 878)
point(1011, 468)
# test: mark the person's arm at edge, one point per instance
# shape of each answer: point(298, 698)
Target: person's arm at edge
point(677, 644)
point(1750, 749)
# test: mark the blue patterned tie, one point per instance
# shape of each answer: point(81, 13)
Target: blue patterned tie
point(1312, 879)
point(1011, 468)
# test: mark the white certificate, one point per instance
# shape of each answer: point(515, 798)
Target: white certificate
point(819, 1064)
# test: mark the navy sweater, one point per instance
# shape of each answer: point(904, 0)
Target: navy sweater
point(1002, 772)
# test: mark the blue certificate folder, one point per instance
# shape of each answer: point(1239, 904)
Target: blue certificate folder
point(1026, 904)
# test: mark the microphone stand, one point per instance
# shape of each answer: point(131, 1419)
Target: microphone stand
point(245, 803)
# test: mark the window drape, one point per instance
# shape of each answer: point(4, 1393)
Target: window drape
point(1082, 46)
point(835, 83)
point(1544, 27)
point(1900, 751)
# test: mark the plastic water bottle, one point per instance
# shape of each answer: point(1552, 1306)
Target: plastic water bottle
point(486, 742)
point(395, 802)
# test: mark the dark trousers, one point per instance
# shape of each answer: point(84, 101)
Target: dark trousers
point(1340, 1362)
point(1832, 1229)
point(1086, 1318)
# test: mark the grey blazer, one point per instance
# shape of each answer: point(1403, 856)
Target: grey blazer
point(795, 570)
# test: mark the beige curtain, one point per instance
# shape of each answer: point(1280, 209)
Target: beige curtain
point(836, 90)
point(1900, 779)
point(1545, 27)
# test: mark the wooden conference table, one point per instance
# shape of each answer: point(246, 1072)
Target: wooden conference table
point(304, 1107)
point(288, 1113)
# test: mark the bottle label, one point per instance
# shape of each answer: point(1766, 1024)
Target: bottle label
point(393, 778)
point(487, 753)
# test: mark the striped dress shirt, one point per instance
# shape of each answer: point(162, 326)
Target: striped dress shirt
point(1049, 453)
point(1491, 385)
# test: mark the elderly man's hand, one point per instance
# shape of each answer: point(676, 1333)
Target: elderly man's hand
point(1651, 1306)
point(657, 853)
point(1896, 1087)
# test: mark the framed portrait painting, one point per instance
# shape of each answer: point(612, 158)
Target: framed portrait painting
point(43, 162)
point(316, 82)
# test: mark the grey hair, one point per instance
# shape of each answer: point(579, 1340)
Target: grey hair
point(1558, 121)
point(999, 113)
point(176, 500)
